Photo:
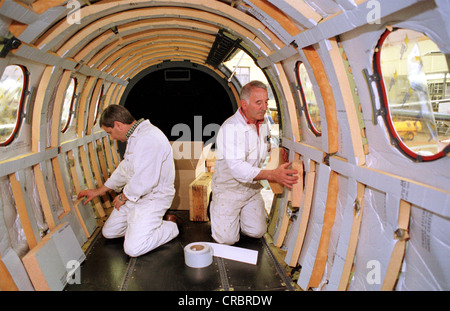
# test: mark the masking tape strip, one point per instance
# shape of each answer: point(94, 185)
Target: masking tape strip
point(199, 254)
point(234, 253)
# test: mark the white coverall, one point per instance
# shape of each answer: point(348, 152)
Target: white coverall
point(146, 175)
point(237, 203)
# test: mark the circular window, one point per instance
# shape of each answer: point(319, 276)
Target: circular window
point(414, 90)
point(12, 85)
point(68, 104)
point(309, 99)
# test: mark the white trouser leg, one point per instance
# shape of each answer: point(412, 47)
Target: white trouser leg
point(142, 225)
point(231, 212)
point(116, 224)
point(225, 218)
point(253, 217)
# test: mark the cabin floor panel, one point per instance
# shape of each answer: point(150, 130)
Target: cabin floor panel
point(108, 268)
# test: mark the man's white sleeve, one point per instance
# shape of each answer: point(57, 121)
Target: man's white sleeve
point(118, 178)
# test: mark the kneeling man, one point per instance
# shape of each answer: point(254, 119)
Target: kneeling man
point(145, 177)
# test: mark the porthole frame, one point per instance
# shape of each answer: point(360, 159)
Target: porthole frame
point(396, 140)
point(20, 109)
point(310, 123)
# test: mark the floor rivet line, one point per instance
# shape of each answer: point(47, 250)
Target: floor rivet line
point(280, 270)
point(128, 273)
point(223, 274)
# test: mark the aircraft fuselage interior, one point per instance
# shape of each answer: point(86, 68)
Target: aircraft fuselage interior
point(358, 102)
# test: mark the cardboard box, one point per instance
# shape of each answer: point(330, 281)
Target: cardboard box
point(190, 158)
point(199, 194)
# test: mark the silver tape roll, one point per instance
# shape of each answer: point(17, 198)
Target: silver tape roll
point(198, 255)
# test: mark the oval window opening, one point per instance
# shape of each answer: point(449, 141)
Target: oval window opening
point(12, 84)
point(415, 91)
point(67, 105)
point(311, 107)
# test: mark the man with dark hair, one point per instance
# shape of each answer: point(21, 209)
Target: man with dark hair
point(242, 146)
point(145, 177)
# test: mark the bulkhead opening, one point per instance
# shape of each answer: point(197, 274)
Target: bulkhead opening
point(187, 102)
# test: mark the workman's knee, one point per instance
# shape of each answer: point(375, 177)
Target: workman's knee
point(131, 250)
point(109, 234)
point(255, 232)
point(228, 240)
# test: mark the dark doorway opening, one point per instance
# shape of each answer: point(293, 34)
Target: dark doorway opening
point(186, 103)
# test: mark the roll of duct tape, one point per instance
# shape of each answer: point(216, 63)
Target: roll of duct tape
point(198, 255)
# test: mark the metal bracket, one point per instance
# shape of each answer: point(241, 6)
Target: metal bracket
point(369, 79)
point(8, 45)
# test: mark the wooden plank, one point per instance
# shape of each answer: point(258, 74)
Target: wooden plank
point(22, 211)
point(83, 105)
point(40, 6)
point(93, 106)
point(89, 180)
point(39, 111)
point(327, 96)
point(97, 174)
point(297, 189)
point(347, 96)
point(46, 263)
point(77, 185)
point(275, 160)
point(353, 242)
point(305, 10)
point(304, 218)
point(158, 56)
point(280, 232)
point(292, 198)
point(279, 16)
point(55, 130)
point(115, 152)
point(199, 194)
point(45, 202)
point(291, 106)
point(101, 158)
point(106, 40)
point(143, 13)
point(6, 281)
point(60, 185)
point(328, 222)
point(108, 155)
point(101, 59)
point(398, 254)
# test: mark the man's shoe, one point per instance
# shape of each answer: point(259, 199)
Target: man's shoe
point(173, 218)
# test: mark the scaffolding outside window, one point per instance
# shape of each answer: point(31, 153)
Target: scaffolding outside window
point(413, 86)
point(311, 108)
point(66, 115)
point(12, 85)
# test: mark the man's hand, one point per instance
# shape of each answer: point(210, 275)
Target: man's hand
point(92, 193)
point(89, 194)
point(284, 175)
point(117, 203)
